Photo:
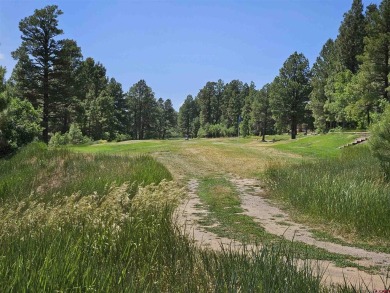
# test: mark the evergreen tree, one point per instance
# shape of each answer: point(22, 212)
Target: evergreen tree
point(170, 118)
point(64, 90)
point(339, 95)
point(36, 57)
point(376, 57)
point(351, 34)
point(235, 94)
point(188, 113)
point(143, 110)
point(322, 69)
point(91, 80)
point(261, 116)
point(114, 90)
point(290, 92)
point(245, 125)
point(218, 103)
point(207, 99)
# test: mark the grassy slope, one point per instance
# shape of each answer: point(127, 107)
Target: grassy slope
point(318, 146)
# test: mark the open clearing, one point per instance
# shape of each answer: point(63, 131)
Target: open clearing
point(242, 162)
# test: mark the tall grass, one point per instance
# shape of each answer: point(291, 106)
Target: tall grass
point(35, 170)
point(349, 190)
point(147, 255)
point(109, 239)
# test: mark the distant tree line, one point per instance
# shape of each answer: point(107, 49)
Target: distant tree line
point(55, 87)
point(348, 87)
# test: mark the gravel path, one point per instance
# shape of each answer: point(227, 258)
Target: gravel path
point(277, 222)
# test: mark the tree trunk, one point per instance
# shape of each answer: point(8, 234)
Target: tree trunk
point(264, 129)
point(293, 128)
point(45, 120)
point(386, 75)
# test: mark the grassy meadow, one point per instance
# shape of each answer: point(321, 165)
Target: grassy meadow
point(98, 218)
point(117, 236)
point(323, 184)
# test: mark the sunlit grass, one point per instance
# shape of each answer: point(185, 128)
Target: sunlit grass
point(348, 190)
point(36, 170)
point(323, 146)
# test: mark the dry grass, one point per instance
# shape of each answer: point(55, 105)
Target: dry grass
point(198, 159)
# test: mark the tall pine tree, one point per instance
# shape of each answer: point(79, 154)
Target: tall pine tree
point(36, 57)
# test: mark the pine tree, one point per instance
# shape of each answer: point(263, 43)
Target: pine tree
point(376, 57)
point(322, 69)
point(36, 57)
point(290, 92)
point(351, 34)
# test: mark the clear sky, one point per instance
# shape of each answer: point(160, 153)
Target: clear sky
point(177, 46)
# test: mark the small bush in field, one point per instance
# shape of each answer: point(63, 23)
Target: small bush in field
point(73, 136)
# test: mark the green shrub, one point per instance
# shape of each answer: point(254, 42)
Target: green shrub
point(19, 125)
point(203, 131)
point(122, 137)
point(73, 136)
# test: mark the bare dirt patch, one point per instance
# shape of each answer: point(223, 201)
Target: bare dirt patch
point(188, 215)
point(278, 222)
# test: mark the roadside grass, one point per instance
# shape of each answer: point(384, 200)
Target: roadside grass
point(223, 202)
point(250, 158)
point(323, 235)
point(118, 239)
point(348, 190)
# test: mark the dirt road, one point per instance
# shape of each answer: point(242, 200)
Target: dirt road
point(277, 222)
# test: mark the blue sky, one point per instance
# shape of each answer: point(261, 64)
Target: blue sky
point(177, 46)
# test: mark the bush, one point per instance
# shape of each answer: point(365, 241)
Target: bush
point(203, 131)
point(73, 136)
point(19, 125)
point(122, 137)
point(336, 129)
point(380, 142)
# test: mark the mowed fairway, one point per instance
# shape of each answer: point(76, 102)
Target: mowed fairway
point(244, 157)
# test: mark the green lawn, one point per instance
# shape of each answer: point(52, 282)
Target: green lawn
point(320, 146)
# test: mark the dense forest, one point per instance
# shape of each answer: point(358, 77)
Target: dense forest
point(60, 97)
